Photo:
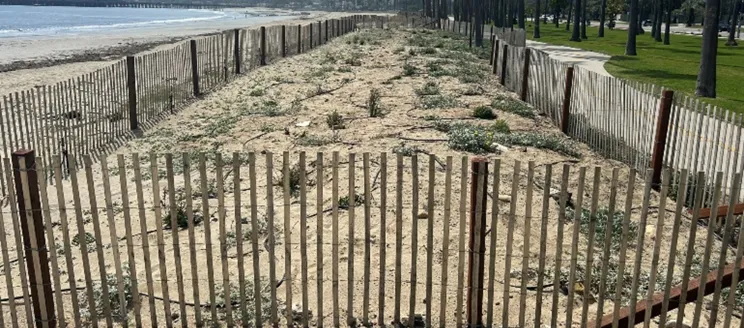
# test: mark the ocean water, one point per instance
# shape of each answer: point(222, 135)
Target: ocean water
point(18, 21)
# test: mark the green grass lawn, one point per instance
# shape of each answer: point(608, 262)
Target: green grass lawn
point(674, 66)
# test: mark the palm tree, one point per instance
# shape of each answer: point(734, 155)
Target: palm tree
point(657, 19)
point(536, 33)
point(583, 20)
point(520, 13)
point(668, 22)
point(575, 36)
point(602, 13)
point(706, 81)
point(732, 27)
point(630, 46)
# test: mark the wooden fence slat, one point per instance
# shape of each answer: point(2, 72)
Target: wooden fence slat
point(174, 212)
point(42, 166)
point(590, 247)
point(574, 246)
point(414, 239)
point(495, 208)
point(445, 243)
point(257, 300)
point(383, 229)
point(350, 261)
point(97, 234)
point(430, 237)
point(204, 191)
point(398, 232)
point(320, 231)
point(606, 256)
point(724, 252)
point(682, 194)
point(240, 237)
point(143, 235)
point(188, 195)
point(509, 241)
point(303, 238)
point(461, 243)
point(640, 245)
point(478, 227)
point(287, 230)
point(335, 255)
point(223, 238)
point(271, 227)
point(708, 245)
point(543, 243)
point(563, 199)
point(735, 278)
point(6, 263)
point(367, 239)
point(657, 241)
point(128, 231)
point(526, 243)
point(698, 201)
point(82, 242)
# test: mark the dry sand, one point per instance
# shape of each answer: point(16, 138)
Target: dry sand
point(260, 113)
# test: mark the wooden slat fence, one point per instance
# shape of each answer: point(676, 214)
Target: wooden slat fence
point(91, 114)
point(619, 118)
point(196, 239)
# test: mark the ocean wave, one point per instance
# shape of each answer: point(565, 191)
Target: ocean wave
point(9, 32)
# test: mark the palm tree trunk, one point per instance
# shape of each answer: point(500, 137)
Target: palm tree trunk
point(657, 20)
point(690, 17)
point(536, 33)
point(568, 16)
point(602, 13)
point(583, 20)
point(655, 13)
point(706, 81)
point(520, 13)
point(556, 15)
point(668, 22)
point(732, 27)
point(576, 35)
point(630, 46)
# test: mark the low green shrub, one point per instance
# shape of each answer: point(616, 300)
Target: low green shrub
point(483, 112)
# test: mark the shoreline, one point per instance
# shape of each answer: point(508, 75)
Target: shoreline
point(27, 62)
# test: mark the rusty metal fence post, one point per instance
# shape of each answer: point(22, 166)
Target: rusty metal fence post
point(495, 59)
point(237, 51)
point(263, 46)
point(477, 243)
point(567, 100)
point(284, 41)
point(299, 39)
point(132, 88)
point(525, 73)
point(194, 69)
point(662, 127)
point(34, 242)
point(493, 43)
point(504, 59)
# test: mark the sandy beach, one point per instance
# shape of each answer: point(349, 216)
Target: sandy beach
point(26, 62)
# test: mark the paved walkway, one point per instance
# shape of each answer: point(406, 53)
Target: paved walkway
point(592, 60)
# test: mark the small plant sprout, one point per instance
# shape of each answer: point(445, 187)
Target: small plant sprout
point(374, 105)
point(335, 121)
point(429, 89)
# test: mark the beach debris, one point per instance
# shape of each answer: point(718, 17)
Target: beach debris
point(303, 124)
